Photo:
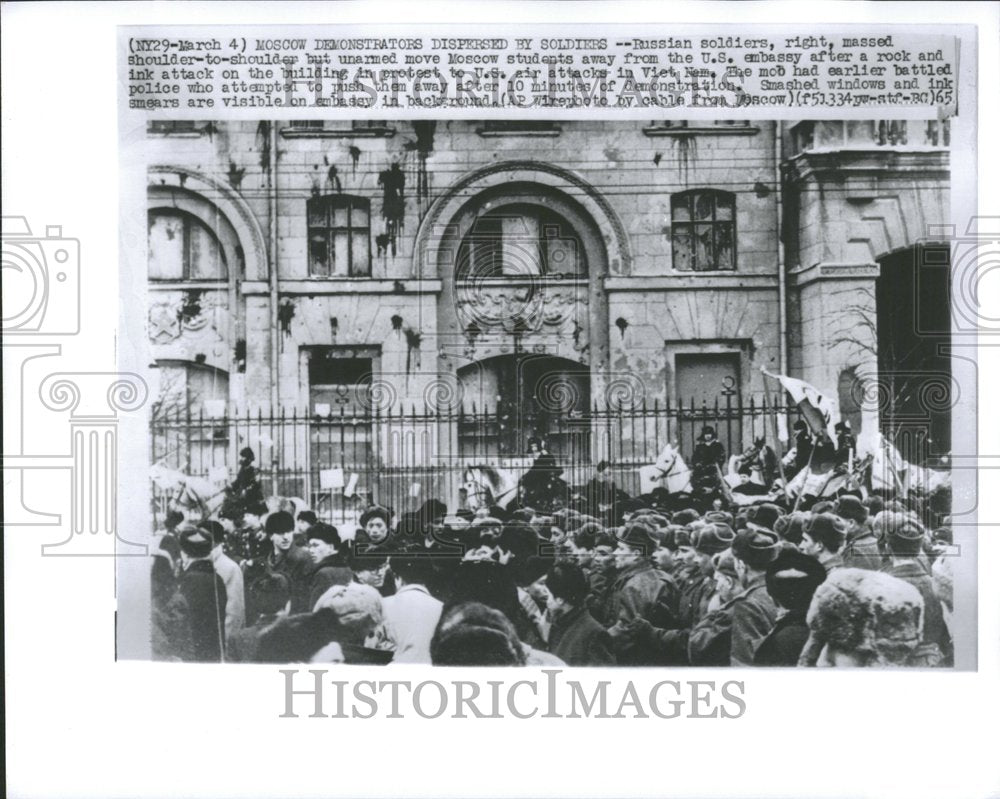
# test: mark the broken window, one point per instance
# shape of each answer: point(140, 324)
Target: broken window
point(703, 223)
point(339, 244)
point(181, 247)
point(521, 240)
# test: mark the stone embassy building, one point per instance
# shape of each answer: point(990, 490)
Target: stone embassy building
point(544, 269)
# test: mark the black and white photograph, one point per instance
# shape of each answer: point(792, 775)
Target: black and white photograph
point(579, 393)
point(382, 378)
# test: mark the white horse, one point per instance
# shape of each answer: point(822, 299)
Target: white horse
point(671, 472)
point(486, 485)
point(196, 497)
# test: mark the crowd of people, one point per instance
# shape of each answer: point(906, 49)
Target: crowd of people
point(855, 580)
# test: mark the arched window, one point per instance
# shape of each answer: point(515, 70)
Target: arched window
point(521, 240)
point(183, 247)
point(194, 388)
point(703, 225)
point(339, 243)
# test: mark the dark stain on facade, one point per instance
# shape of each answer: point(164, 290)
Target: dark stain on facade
point(286, 313)
point(190, 306)
point(333, 179)
point(264, 145)
point(393, 182)
point(235, 175)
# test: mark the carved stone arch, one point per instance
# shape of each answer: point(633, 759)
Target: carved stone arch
point(193, 192)
point(437, 226)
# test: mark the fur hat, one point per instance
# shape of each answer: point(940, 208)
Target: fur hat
point(827, 529)
point(724, 563)
point(473, 634)
point(712, 538)
point(872, 616)
point(905, 537)
point(279, 522)
point(214, 529)
point(685, 516)
point(640, 536)
point(358, 608)
point(676, 536)
point(764, 515)
point(720, 516)
point(793, 578)
point(756, 547)
point(850, 507)
point(433, 510)
point(326, 533)
point(194, 543)
point(791, 527)
point(375, 512)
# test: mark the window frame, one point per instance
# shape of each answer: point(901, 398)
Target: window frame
point(468, 245)
point(188, 219)
point(690, 198)
point(331, 203)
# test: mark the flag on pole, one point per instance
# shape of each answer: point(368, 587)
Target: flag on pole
point(820, 411)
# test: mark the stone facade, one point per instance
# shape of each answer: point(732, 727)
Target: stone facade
point(347, 241)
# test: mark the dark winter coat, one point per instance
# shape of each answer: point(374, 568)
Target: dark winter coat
point(754, 615)
point(297, 566)
point(710, 640)
point(579, 640)
point(204, 595)
point(641, 591)
point(329, 572)
point(783, 645)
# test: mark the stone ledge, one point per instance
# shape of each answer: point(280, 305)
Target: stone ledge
point(347, 286)
point(848, 163)
point(333, 133)
point(803, 276)
point(712, 130)
point(700, 282)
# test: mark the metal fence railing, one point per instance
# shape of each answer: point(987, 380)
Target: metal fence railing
point(403, 456)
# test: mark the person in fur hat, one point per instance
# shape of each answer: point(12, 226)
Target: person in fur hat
point(905, 544)
point(863, 619)
point(204, 595)
point(329, 562)
point(288, 559)
point(575, 636)
point(791, 580)
point(706, 462)
point(823, 539)
point(860, 547)
point(754, 612)
point(376, 522)
point(641, 605)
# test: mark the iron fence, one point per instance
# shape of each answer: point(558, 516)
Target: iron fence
point(402, 456)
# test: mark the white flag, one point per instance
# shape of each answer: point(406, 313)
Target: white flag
point(820, 411)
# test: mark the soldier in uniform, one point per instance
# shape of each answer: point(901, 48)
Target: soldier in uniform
point(706, 462)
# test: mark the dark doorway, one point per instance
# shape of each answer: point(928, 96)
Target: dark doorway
point(913, 300)
point(708, 392)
